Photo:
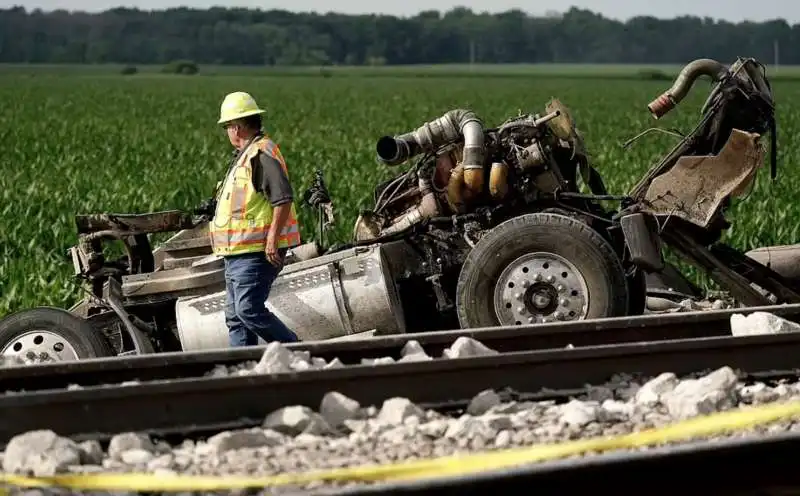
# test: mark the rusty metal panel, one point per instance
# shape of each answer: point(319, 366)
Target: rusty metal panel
point(696, 186)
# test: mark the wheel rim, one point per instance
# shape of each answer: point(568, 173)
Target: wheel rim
point(538, 288)
point(39, 347)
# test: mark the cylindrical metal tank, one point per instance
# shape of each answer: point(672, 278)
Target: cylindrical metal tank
point(335, 295)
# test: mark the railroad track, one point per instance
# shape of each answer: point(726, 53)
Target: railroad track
point(166, 366)
point(764, 465)
point(200, 405)
point(178, 400)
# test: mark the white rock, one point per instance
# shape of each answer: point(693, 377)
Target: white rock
point(41, 452)
point(387, 360)
point(129, 441)
point(295, 420)
point(303, 355)
point(503, 439)
point(395, 435)
point(334, 364)
point(579, 413)
point(276, 359)
point(483, 401)
point(434, 428)
point(335, 408)
point(468, 427)
point(306, 438)
point(92, 452)
point(136, 457)
point(711, 393)
point(617, 411)
point(396, 410)
point(299, 365)
point(415, 357)
point(412, 347)
point(465, 347)
point(233, 440)
point(761, 323)
point(651, 392)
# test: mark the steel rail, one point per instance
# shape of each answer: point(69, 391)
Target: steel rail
point(176, 365)
point(190, 405)
point(762, 464)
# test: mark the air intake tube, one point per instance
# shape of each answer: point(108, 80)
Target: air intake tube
point(683, 83)
point(394, 150)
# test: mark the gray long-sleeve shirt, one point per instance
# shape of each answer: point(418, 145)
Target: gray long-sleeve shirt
point(269, 178)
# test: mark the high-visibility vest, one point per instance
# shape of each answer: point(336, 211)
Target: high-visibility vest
point(243, 215)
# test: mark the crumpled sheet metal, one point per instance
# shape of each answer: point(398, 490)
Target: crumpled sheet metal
point(153, 222)
point(695, 187)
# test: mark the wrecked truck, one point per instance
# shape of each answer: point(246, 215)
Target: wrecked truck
point(490, 226)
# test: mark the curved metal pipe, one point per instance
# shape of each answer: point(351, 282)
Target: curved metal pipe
point(427, 208)
point(457, 123)
point(683, 83)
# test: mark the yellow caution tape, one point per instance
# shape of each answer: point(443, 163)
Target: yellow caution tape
point(454, 465)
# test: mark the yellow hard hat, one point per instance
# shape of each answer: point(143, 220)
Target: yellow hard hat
point(237, 105)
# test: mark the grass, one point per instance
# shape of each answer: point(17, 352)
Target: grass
point(82, 142)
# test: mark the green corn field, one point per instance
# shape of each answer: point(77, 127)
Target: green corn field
point(88, 143)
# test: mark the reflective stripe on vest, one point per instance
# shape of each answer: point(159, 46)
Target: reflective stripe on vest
point(243, 216)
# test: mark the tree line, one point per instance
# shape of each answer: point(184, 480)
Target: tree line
point(239, 36)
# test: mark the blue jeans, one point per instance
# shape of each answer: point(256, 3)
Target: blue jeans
point(248, 279)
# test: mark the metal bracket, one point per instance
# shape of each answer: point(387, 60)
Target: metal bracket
point(338, 294)
point(443, 303)
point(112, 292)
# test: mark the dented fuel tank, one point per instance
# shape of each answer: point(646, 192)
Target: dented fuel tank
point(335, 295)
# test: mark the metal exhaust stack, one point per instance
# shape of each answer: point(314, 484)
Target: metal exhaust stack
point(394, 150)
point(683, 83)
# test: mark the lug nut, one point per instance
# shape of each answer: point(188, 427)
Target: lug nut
point(551, 279)
point(531, 320)
point(518, 296)
point(560, 288)
point(520, 309)
point(526, 283)
point(564, 302)
point(557, 315)
point(537, 277)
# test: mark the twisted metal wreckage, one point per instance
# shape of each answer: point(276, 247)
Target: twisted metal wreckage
point(488, 227)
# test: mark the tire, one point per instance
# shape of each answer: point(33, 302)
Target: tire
point(600, 290)
point(60, 326)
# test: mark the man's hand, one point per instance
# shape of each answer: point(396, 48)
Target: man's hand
point(279, 217)
point(272, 249)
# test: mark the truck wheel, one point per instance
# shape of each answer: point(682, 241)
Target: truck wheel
point(47, 334)
point(539, 268)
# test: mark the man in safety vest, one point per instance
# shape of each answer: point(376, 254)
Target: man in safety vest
point(254, 224)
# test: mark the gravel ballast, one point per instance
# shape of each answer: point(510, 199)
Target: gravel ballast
point(342, 433)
